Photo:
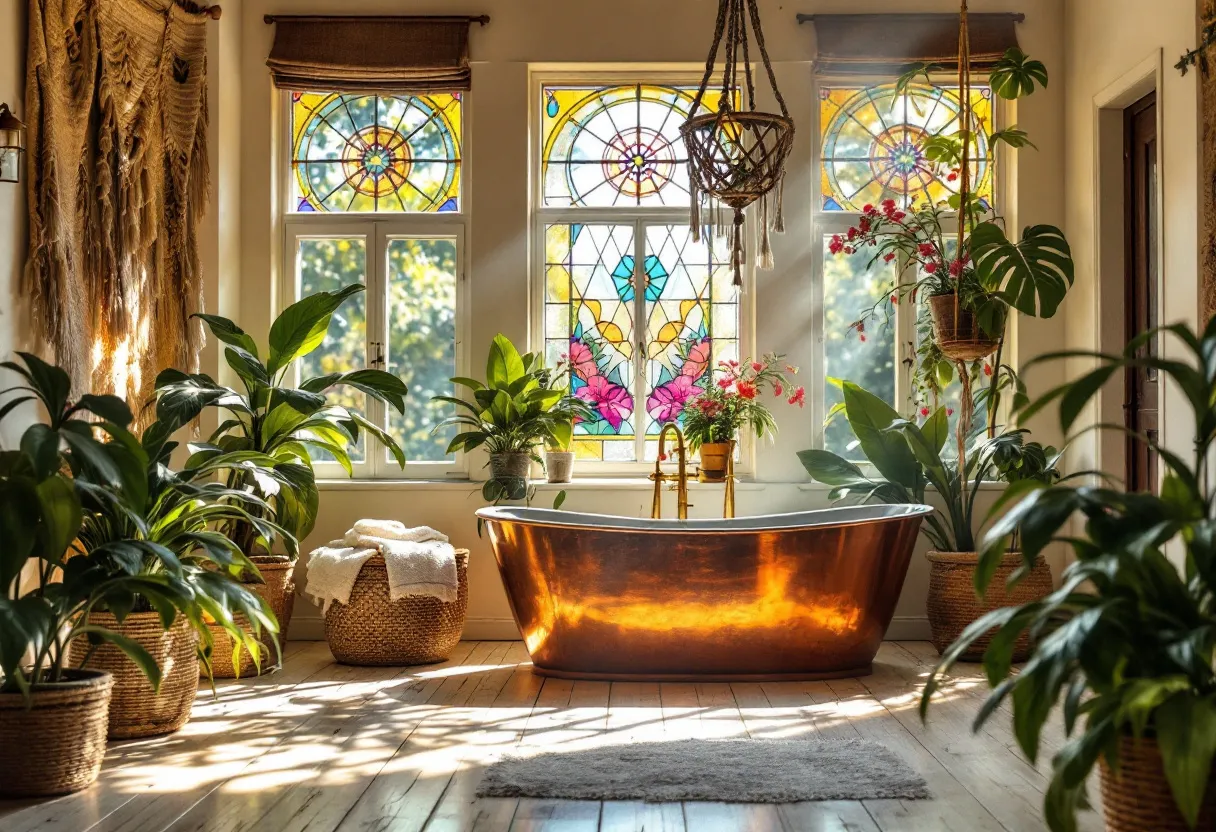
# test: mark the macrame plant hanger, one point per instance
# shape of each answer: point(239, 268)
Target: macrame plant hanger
point(736, 157)
point(966, 404)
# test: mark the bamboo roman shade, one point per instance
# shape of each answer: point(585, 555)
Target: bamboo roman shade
point(371, 54)
point(880, 44)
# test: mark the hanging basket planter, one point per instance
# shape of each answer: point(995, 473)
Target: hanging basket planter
point(957, 332)
point(737, 156)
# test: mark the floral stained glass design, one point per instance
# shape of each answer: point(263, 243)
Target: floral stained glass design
point(872, 144)
point(375, 153)
point(616, 146)
point(591, 304)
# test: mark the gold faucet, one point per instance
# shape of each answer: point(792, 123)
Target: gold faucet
point(681, 478)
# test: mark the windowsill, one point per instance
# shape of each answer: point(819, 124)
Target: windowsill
point(579, 484)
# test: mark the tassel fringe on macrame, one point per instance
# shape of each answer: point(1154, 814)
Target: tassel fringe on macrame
point(711, 220)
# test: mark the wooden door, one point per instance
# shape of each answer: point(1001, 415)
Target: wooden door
point(1140, 281)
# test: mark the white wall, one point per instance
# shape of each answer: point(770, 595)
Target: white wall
point(559, 34)
point(1114, 51)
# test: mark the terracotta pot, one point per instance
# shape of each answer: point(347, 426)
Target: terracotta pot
point(279, 590)
point(57, 745)
point(559, 465)
point(1137, 798)
point(953, 605)
point(958, 335)
point(715, 461)
point(136, 709)
point(512, 470)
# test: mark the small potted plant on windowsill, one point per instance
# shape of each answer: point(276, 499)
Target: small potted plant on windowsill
point(516, 409)
point(714, 418)
point(271, 435)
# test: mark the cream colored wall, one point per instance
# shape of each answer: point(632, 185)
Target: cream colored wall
point(12, 197)
point(545, 34)
point(1114, 51)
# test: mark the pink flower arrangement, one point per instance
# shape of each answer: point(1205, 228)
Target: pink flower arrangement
point(736, 400)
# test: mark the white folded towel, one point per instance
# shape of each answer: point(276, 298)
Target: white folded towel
point(420, 561)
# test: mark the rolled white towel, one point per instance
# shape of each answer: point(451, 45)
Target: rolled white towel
point(333, 570)
point(396, 530)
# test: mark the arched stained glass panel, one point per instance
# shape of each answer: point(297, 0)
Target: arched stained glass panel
point(616, 146)
point(873, 144)
point(375, 153)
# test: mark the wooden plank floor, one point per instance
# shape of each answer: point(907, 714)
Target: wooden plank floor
point(328, 748)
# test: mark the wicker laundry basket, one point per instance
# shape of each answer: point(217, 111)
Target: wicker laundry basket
point(373, 630)
point(279, 590)
point(136, 710)
point(953, 605)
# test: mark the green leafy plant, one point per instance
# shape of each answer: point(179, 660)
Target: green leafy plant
point(515, 409)
point(908, 458)
point(273, 429)
point(1125, 646)
point(44, 483)
point(175, 531)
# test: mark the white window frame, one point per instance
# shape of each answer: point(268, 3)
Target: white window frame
point(639, 218)
point(825, 223)
point(377, 228)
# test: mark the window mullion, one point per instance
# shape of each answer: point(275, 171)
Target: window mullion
point(377, 335)
point(639, 339)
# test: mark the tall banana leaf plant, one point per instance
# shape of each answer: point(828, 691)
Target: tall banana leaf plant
point(272, 426)
point(1125, 647)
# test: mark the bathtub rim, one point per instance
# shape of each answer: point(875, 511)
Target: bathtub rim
point(555, 518)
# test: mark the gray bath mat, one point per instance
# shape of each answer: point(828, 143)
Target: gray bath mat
point(731, 771)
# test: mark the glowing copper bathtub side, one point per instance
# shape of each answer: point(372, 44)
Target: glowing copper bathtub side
point(802, 597)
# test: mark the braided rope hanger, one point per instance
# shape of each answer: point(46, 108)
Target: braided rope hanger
point(736, 157)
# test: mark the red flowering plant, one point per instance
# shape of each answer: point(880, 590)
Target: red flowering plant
point(735, 400)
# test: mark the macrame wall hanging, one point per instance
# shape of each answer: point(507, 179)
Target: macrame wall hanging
point(737, 156)
point(117, 98)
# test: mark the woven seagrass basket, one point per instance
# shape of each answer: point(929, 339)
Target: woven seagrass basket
point(958, 336)
point(1137, 798)
point(953, 605)
point(136, 709)
point(279, 590)
point(57, 746)
point(373, 630)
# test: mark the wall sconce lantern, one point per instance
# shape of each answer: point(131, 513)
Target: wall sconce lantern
point(12, 145)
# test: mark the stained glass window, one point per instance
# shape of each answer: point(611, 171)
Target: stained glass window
point(873, 144)
point(379, 153)
point(615, 146)
point(591, 304)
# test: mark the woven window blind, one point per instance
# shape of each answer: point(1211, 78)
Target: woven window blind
point(880, 44)
point(371, 54)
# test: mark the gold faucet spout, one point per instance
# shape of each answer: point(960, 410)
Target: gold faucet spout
point(681, 478)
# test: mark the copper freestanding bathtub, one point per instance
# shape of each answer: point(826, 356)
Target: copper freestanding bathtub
point(792, 596)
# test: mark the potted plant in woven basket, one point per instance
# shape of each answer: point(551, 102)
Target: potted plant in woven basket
point(734, 401)
point(1125, 645)
point(908, 458)
point(176, 517)
point(53, 718)
point(516, 408)
point(270, 433)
